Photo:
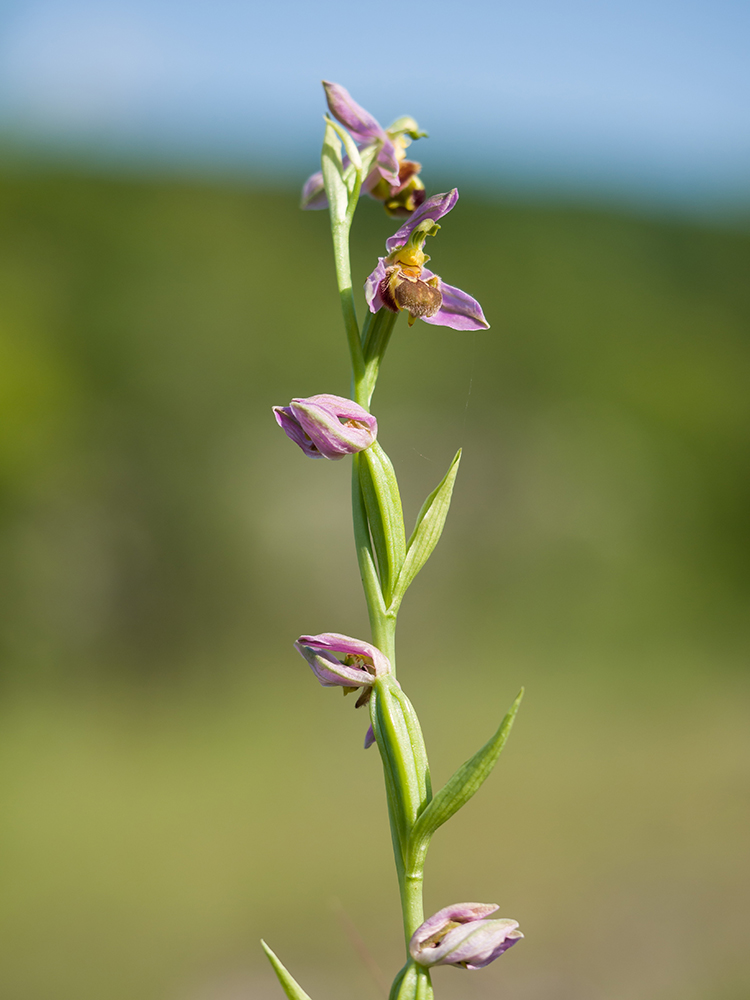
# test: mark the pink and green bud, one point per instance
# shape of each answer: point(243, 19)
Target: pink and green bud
point(363, 128)
point(340, 661)
point(461, 935)
point(401, 282)
point(327, 426)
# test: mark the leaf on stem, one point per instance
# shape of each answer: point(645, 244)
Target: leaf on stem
point(384, 514)
point(405, 984)
point(427, 531)
point(401, 744)
point(365, 558)
point(288, 983)
point(460, 788)
point(412, 983)
point(424, 986)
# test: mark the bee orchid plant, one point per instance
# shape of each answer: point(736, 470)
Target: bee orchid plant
point(360, 156)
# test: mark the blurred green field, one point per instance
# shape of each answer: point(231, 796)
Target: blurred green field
point(175, 783)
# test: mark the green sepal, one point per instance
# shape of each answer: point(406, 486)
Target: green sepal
point(401, 744)
point(384, 514)
point(288, 983)
point(427, 531)
point(459, 789)
point(406, 125)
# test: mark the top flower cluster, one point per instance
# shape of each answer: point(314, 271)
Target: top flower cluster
point(394, 180)
point(400, 282)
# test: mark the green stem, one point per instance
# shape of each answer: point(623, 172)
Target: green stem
point(367, 351)
point(340, 233)
point(412, 903)
point(384, 637)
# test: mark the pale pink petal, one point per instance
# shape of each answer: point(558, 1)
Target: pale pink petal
point(434, 208)
point(459, 310)
point(314, 193)
point(372, 287)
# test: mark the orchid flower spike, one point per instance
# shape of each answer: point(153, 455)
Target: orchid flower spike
point(340, 661)
point(327, 426)
point(461, 935)
point(394, 180)
point(402, 282)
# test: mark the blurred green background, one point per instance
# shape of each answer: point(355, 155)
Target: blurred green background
point(176, 784)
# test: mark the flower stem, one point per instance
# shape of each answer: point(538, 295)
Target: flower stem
point(412, 903)
point(340, 233)
point(408, 785)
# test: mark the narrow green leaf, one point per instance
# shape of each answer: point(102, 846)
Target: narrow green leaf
point(402, 749)
point(427, 531)
point(288, 983)
point(460, 788)
point(384, 514)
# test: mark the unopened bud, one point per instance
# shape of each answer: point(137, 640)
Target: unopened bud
point(461, 935)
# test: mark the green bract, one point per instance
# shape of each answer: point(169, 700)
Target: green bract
point(385, 517)
point(427, 531)
point(407, 773)
point(460, 788)
point(288, 983)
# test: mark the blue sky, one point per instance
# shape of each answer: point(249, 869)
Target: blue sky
point(650, 99)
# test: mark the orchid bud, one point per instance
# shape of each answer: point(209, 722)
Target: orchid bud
point(461, 935)
point(340, 661)
point(327, 426)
